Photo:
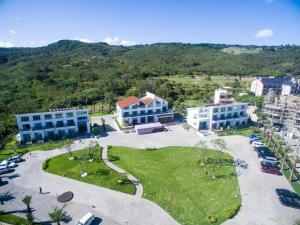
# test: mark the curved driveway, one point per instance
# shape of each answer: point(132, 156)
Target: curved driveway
point(260, 205)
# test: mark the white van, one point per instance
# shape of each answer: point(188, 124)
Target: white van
point(86, 220)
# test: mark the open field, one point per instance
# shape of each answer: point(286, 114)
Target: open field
point(98, 173)
point(173, 179)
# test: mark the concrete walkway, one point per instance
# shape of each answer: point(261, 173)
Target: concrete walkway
point(138, 185)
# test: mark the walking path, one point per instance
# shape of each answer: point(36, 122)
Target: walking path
point(138, 185)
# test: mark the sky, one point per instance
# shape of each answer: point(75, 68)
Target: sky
point(34, 23)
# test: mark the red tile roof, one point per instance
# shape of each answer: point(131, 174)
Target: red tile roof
point(127, 101)
point(147, 100)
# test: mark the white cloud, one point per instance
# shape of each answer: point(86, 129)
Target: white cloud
point(269, 1)
point(13, 32)
point(87, 40)
point(6, 44)
point(118, 41)
point(265, 33)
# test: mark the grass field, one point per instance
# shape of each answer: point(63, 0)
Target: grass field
point(98, 173)
point(173, 179)
point(12, 147)
point(12, 219)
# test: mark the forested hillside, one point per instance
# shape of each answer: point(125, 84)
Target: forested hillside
point(72, 73)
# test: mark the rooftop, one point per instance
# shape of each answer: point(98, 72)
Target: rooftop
point(275, 80)
point(127, 101)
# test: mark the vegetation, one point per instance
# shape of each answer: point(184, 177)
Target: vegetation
point(57, 215)
point(12, 147)
point(12, 219)
point(72, 73)
point(97, 172)
point(173, 178)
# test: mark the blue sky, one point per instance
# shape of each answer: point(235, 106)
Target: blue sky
point(127, 22)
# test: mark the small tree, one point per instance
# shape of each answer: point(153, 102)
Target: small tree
point(27, 200)
point(57, 215)
point(202, 145)
point(69, 150)
point(220, 146)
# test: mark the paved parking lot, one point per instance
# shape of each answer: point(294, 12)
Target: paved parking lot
point(260, 205)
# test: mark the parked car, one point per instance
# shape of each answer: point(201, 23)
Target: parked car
point(261, 148)
point(268, 159)
point(8, 164)
point(271, 170)
point(258, 144)
point(5, 169)
point(286, 193)
point(256, 139)
point(251, 136)
point(264, 153)
point(15, 159)
point(86, 220)
point(290, 202)
point(268, 164)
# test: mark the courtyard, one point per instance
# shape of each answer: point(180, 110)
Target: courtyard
point(260, 205)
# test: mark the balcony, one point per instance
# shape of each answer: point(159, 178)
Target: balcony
point(49, 126)
point(37, 128)
point(60, 125)
point(71, 124)
point(149, 113)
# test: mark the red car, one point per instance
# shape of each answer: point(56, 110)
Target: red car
point(271, 170)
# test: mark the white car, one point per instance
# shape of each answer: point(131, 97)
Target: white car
point(8, 164)
point(86, 220)
point(258, 144)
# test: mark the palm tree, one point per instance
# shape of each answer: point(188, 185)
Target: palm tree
point(27, 200)
point(57, 215)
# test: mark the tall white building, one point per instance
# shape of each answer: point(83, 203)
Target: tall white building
point(217, 116)
point(148, 109)
point(54, 124)
point(224, 113)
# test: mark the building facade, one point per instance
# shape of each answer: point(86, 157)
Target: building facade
point(218, 116)
point(57, 123)
point(284, 111)
point(281, 86)
point(223, 96)
point(148, 109)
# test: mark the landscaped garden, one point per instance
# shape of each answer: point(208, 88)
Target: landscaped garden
point(12, 147)
point(173, 178)
point(88, 161)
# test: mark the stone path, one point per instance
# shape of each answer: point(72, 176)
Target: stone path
point(138, 185)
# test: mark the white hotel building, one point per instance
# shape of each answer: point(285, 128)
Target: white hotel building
point(148, 109)
point(54, 124)
point(224, 113)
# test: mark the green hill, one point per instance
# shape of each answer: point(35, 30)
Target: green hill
point(71, 73)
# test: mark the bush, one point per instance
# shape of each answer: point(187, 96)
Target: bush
point(109, 146)
point(45, 164)
point(231, 212)
point(124, 181)
point(113, 158)
point(211, 219)
point(150, 149)
point(102, 172)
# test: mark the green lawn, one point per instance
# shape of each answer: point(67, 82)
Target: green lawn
point(13, 148)
point(98, 173)
point(12, 219)
point(239, 131)
point(173, 179)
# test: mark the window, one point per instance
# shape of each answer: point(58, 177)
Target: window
point(70, 114)
point(126, 114)
point(223, 109)
point(38, 117)
point(48, 117)
point(59, 124)
point(229, 108)
point(216, 110)
point(134, 106)
point(81, 112)
point(58, 116)
point(215, 117)
point(24, 118)
point(158, 103)
point(243, 107)
point(70, 123)
point(82, 118)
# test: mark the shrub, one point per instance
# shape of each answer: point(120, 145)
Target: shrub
point(150, 149)
point(124, 181)
point(113, 158)
point(109, 146)
point(102, 172)
point(231, 212)
point(211, 219)
point(45, 164)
